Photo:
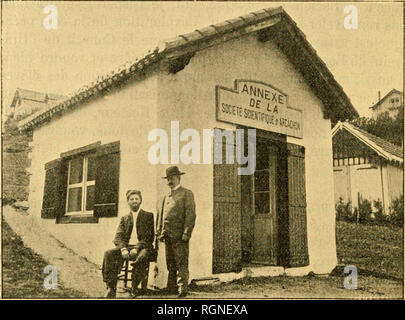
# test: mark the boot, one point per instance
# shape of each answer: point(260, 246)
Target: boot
point(182, 292)
point(135, 292)
point(111, 290)
point(111, 293)
point(171, 287)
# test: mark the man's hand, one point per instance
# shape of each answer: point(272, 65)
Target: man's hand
point(133, 253)
point(185, 237)
point(161, 236)
point(125, 253)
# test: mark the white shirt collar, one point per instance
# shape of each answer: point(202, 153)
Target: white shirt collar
point(135, 213)
point(176, 187)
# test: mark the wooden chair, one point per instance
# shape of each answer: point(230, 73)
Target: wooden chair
point(125, 276)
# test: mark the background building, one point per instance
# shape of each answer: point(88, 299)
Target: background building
point(390, 103)
point(27, 102)
point(15, 144)
point(365, 166)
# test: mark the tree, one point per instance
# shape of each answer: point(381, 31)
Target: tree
point(390, 129)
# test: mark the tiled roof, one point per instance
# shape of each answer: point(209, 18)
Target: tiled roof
point(384, 144)
point(32, 101)
point(28, 107)
point(275, 23)
point(385, 97)
point(384, 148)
point(37, 96)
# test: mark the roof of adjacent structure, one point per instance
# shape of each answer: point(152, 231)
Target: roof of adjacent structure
point(271, 24)
point(32, 102)
point(36, 96)
point(382, 147)
point(385, 98)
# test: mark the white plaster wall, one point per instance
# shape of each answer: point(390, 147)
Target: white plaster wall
point(189, 96)
point(389, 106)
point(395, 182)
point(366, 180)
point(126, 115)
point(341, 183)
point(373, 183)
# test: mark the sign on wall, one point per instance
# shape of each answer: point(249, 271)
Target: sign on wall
point(258, 105)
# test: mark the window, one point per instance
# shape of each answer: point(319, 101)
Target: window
point(81, 184)
point(261, 183)
point(264, 179)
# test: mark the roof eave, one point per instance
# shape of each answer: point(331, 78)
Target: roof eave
point(92, 91)
point(337, 104)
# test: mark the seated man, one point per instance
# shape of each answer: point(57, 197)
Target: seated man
point(133, 241)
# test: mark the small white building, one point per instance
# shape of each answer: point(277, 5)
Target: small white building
point(26, 102)
point(390, 103)
point(256, 71)
point(365, 166)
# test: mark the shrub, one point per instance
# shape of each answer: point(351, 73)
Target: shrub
point(379, 217)
point(365, 211)
point(344, 211)
point(396, 216)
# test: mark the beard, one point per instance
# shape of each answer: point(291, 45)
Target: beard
point(135, 207)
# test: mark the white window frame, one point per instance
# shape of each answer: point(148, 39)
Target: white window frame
point(84, 184)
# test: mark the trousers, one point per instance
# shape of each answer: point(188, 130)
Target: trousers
point(112, 264)
point(177, 252)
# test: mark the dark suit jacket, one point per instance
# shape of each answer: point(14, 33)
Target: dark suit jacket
point(144, 229)
point(180, 214)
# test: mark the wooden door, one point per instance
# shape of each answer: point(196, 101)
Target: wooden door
point(264, 202)
point(227, 244)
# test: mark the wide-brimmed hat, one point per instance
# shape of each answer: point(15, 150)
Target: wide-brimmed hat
point(173, 171)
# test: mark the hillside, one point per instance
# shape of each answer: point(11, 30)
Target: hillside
point(14, 163)
point(23, 271)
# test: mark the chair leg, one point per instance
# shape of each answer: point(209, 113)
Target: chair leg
point(126, 274)
point(144, 283)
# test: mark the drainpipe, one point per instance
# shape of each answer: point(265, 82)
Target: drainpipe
point(382, 188)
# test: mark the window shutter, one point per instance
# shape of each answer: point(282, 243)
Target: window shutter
point(54, 197)
point(107, 180)
point(297, 220)
point(227, 245)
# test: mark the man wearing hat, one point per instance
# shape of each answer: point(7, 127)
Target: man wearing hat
point(176, 219)
point(133, 241)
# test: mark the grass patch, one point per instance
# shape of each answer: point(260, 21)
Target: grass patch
point(301, 287)
point(374, 250)
point(23, 271)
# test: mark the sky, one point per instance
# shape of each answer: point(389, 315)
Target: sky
point(94, 38)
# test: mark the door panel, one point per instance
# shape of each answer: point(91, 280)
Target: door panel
point(264, 206)
point(227, 243)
